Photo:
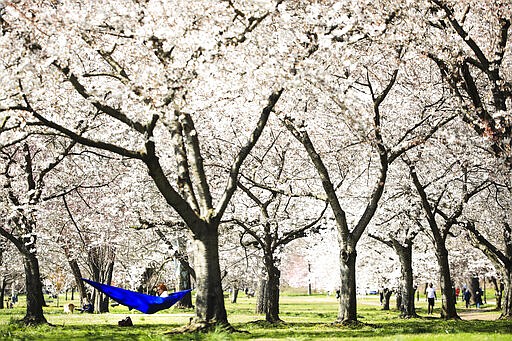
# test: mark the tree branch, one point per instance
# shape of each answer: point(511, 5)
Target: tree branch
point(244, 152)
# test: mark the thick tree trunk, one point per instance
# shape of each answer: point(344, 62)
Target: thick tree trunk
point(272, 296)
point(507, 302)
point(35, 298)
point(448, 309)
point(261, 298)
point(407, 307)
point(210, 308)
point(347, 311)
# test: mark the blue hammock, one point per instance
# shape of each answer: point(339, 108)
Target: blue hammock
point(147, 304)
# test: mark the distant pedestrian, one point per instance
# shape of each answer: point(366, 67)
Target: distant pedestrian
point(431, 298)
point(457, 294)
point(466, 296)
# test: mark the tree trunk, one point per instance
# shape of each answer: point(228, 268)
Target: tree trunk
point(2, 292)
point(498, 289)
point(407, 307)
point(210, 307)
point(261, 300)
point(234, 294)
point(347, 311)
point(507, 303)
point(272, 294)
point(399, 299)
point(105, 300)
point(101, 263)
point(34, 287)
point(77, 274)
point(184, 281)
point(474, 286)
point(386, 298)
point(448, 309)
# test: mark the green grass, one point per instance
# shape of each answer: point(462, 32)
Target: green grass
point(306, 318)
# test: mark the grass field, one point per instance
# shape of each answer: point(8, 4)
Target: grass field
point(306, 318)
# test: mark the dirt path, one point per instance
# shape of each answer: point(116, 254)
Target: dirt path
point(479, 314)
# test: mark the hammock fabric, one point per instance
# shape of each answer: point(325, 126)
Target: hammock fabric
point(147, 304)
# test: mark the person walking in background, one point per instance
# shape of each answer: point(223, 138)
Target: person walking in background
point(466, 296)
point(431, 298)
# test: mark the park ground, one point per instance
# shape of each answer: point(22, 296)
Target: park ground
point(305, 318)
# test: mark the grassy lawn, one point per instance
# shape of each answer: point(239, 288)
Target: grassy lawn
point(306, 318)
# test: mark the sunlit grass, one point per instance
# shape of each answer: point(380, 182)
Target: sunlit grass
point(306, 318)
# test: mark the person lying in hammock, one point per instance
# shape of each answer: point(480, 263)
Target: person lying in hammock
point(161, 289)
point(146, 304)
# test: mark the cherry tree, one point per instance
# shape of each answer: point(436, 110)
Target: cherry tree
point(10, 270)
point(143, 75)
point(402, 244)
point(490, 231)
point(372, 141)
point(470, 43)
point(26, 163)
point(445, 187)
point(271, 218)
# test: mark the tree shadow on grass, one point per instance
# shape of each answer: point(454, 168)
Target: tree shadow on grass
point(308, 330)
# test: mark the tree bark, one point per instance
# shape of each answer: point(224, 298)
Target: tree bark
point(272, 295)
point(234, 294)
point(386, 298)
point(210, 308)
point(77, 274)
point(105, 300)
point(498, 289)
point(2, 292)
point(261, 300)
point(101, 263)
point(507, 303)
point(474, 285)
point(407, 307)
point(347, 311)
point(448, 310)
point(34, 286)
point(184, 281)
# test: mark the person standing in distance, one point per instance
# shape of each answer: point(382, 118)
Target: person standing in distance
point(431, 298)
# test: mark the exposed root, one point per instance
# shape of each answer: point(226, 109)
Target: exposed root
point(411, 316)
point(268, 324)
point(349, 323)
point(34, 321)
